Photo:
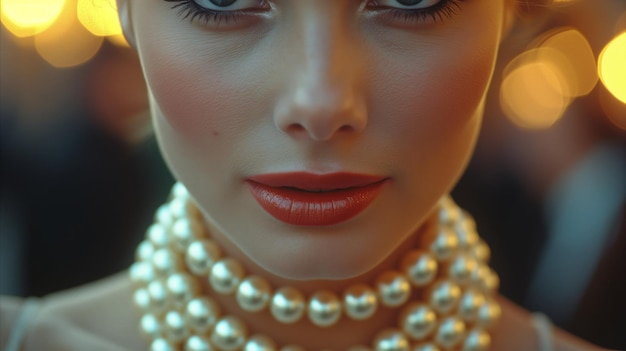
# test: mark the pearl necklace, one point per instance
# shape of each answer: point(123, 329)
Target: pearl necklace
point(450, 270)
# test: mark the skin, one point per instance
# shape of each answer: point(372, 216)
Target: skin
point(316, 85)
point(320, 86)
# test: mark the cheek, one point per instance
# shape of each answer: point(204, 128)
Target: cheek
point(439, 96)
point(202, 96)
point(190, 105)
point(432, 103)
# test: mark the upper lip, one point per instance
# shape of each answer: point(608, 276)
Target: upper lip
point(316, 182)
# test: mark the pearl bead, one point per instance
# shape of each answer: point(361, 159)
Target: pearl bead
point(181, 207)
point(179, 191)
point(175, 327)
point(164, 216)
point(445, 244)
point(144, 251)
point(229, 334)
point(142, 299)
point(418, 321)
point(162, 345)
point(158, 236)
point(461, 269)
point(449, 213)
point(360, 302)
point(469, 305)
point(165, 262)
point(260, 343)
point(178, 321)
point(198, 343)
point(393, 288)
point(201, 255)
point(420, 267)
point(324, 309)
point(426, 347)
point(450, 333)
point(150, 326)
point(159, 297)
point(445, 296)
point(391, 340)
point(481, 251)
point(488, 314)
point(253, 294)
point(202, 314)
point(226, 274)
point(477, 340)
point(181, 288)
point(490, 282)
point(466, 232)
point(141, 273)
point(485, 279)
point(287, 305)
point(185, 231)
point(479, 275)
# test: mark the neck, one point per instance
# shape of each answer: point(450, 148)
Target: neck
point(427, 229)
point(346, 331)
point(435, 288)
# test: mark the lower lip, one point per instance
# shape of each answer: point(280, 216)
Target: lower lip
point(298, 207)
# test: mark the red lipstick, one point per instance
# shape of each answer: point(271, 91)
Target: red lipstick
point(308, 199)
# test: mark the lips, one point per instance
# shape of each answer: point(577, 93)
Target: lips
point(307, 199)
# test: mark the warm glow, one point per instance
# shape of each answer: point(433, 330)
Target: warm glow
point(572, 55)
point(533, 95)
point(67, 43)
point(99, 17)
point(28, 17)
point(612, 67)
point(539, 84)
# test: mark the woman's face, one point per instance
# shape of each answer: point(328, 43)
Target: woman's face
point(391, 90)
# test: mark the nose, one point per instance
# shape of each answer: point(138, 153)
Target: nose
point(322, 98)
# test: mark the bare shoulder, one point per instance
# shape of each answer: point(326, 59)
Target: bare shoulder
point(516, 331)
point(103, 308)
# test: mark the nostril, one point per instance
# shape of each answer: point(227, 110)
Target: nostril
point(295, 127)
point(346, 128)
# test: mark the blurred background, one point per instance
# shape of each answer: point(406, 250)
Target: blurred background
point(80, 173)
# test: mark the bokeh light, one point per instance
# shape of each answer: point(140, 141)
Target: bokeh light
point(576, 62)
point(533, 95)
point(67, 43)
point(540, 84)
point(612, 67)
point(99, 17)
point(28, 17)
point(66, 33)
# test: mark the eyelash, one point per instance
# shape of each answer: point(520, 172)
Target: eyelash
point(188, 9)
point(446, 9)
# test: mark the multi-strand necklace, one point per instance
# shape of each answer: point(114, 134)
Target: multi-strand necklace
point(454, 311)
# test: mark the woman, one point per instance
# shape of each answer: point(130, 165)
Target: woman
point(315, 141)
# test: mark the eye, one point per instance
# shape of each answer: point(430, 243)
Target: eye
point(227, 5)
point(408, 4)
point(411, 12)
point(220, 12)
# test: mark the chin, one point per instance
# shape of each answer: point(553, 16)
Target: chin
point(341, 253)
point(314, 266)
